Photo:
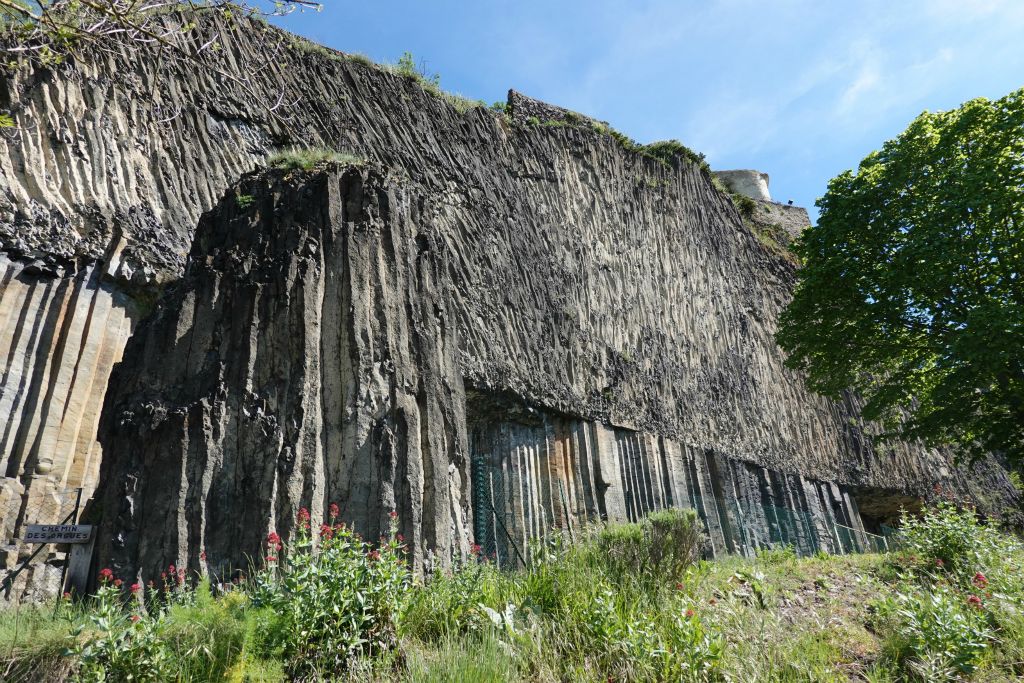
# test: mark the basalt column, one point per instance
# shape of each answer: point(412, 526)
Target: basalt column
point(306, 358)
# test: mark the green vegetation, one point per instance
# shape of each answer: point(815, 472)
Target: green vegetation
point(911, 290)
point(626, 602)
point(6, 121)
point(306, 158)
point(244, 201)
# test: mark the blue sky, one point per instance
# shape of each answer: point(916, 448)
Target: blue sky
point(797, 88)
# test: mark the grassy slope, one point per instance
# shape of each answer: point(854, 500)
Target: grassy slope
point(596, 612)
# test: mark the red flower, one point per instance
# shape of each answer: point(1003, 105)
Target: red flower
point(400, 538)
point(135, 618)
point(333, 510)
point(274, 541)
point(373, 555)
point(163, 576)
point(393, 514)
point(303, 518)
point(118, 582)
point(171, 569)
point(106, 574)
point(475, 549)
point(974, 601)
point(689, 613)
point(67, 596)
point(979, 580)
point(135, 587)
point(680, 586)
point(326, 531)
point(939, 562)
point(271, 558)
point(202, 556)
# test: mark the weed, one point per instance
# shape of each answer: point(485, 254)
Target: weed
point(307, 158)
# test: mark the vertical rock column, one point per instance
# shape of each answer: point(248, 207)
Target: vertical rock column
point(59, 339)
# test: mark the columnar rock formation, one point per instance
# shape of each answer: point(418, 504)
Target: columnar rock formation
point(544, 266)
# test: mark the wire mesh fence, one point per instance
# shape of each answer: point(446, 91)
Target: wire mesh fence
point(36, 569)
point(510, 512)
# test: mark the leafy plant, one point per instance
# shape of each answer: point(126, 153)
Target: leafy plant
point(244, 201)
point(910, 292)
point(336, 602)
point(664, 544)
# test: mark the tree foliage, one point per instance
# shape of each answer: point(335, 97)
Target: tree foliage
point(911, 290)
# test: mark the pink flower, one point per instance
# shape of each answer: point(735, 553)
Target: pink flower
point(274, 541)
point(303, 518)
point(326, 531)
point(400, 538)
point(118, 582)
point(202, 556)
point(171, 569)
point(163, 576)
point(135, 587)
point(135, 618)
point(974, 601)
point(150, 583)
point(475, 549)
point(680, 586)
point(333, 510)
point(271, 558)
point(106, 574)
point(374, 555)
point(689, 613)
point(979, 580)
point(67, 596)
point(939, 562)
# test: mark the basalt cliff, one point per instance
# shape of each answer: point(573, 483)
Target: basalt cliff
point(496, 324)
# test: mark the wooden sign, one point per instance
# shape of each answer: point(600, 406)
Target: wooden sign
point(58, 533)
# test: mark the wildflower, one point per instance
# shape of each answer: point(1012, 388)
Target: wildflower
point(117, 583)
point(135, 618)
point(135, 587)
point(680, 586)
point(202, 556)
point(689, 613)
point(171, 569)
point(151, 583)
point(979, 580)
point(326, 531)
point(163, 576)
point(334, 511)
point(106, 574)
point(974, 601)
point(274, 541)
point(400, 538)
point(271, 558)
point(373, 555)
point(475, 549)
point(67, 596)
point(393, 514)
point(303, 518)
point(939, 563)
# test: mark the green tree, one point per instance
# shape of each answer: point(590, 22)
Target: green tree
point(911, 288)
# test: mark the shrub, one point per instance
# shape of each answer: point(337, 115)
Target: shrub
point(663, 545)
point(668, 151)
point(449, 605)
point(936, 630)
point(334, 603)
point(946, 539)
point(117, 646)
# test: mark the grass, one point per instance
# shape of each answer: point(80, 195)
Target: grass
point(307, 158)
point(626, 602)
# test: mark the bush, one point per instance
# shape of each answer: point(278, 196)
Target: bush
point(663, 545)
point(334, 603)
point(945, 538)
point(936, 631)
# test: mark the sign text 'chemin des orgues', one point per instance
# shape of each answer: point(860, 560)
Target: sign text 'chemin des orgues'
point(58, 533)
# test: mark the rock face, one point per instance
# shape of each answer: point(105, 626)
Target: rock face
point(563, 349)
point(610, 309)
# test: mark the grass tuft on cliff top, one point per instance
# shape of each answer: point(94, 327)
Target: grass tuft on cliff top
point(308, 158)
